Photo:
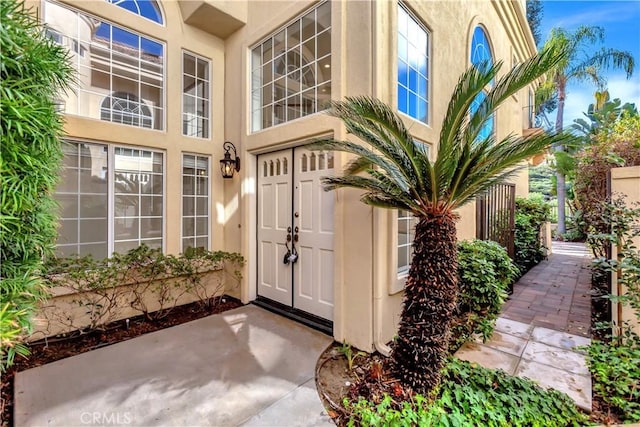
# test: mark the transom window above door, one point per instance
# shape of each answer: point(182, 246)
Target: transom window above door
point(291, 70)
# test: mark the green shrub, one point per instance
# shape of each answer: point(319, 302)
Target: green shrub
point(473, 396)
point(33, 70)
point(150, 275)
point(485, 272)
point(615, 369)
point(531, 214)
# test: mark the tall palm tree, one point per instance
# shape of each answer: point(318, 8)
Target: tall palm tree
point(582, 65)
point(395, 172)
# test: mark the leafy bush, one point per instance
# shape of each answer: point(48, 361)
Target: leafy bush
point(531, 214)
point(473, 396)
point(616, 373)
point(152, 279)
point(613, 361)
point(33, 70)
point(485, 272)
point(614, 145)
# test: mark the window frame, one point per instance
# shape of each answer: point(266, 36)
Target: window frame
point(209, 93)
point(428, 53)
point(488, 48)
point(160, 10)
point(110, 196)
point(208, 197)
point(256, 114)
point(78, 67)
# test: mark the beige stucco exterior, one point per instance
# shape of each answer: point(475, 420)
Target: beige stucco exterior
point(625, 182)
point(363, 62)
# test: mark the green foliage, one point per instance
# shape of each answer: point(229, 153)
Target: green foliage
point(616, 373)
point(614, 145)
point(540, 180)
point(485, 272)
point(602, 117)
point(154, 283)
point(531, 214)
point(534, 18)
point(347, 351)
point(613, 361)
point(473, 396)
point(33, 70)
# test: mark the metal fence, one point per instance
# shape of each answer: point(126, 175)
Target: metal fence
point(495, 216)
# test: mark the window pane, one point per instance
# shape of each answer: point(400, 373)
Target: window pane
point(115, 84)
point(195, 179)
point(195, 96)
point(413, 66)
point(84, 204)
point(301, 63)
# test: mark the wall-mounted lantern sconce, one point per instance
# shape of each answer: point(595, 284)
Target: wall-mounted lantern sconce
point(229, 165)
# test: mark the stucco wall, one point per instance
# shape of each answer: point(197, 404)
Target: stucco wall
point(363, 49)
point(364, 37)
point(66, 310)
point(625, 182)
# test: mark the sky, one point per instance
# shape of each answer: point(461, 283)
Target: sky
point(621, 22)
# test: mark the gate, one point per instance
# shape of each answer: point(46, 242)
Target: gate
point(495, 216)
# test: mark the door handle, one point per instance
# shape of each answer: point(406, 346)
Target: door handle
point(291, 256)
point(295, 235)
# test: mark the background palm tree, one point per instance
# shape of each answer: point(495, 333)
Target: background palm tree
point(580, 66)
point(395, 172)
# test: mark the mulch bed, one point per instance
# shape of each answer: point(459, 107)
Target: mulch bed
point(60, 347)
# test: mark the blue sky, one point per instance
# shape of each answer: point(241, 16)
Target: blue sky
point(621, 22)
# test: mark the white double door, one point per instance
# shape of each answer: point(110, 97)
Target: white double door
point(295, 216)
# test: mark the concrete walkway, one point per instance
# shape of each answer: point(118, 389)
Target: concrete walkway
point(545, 318)
point(244, 367)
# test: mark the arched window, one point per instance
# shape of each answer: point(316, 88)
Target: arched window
point(126, 108)
point(481, 53)
point(149, 9)
point(480, 48)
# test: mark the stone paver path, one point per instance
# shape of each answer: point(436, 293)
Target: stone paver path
point(555, 293)
point(546, 317)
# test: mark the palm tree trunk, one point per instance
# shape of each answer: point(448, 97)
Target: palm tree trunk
point(561, 188)
point(420, 351)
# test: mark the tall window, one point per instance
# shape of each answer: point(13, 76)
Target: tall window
point(83, 198)
point(195, 95)
point(406, 233)
point(149, 9)
point(138, 198)
point(195, 202)
point(291, 70)
point(481, 54)
point(120, 72)
point(413, 66)
point(91, 173)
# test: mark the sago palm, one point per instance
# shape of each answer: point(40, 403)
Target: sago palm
point(395, 172)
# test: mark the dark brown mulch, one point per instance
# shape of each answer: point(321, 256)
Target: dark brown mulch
point(369, 378)
point(60, 347)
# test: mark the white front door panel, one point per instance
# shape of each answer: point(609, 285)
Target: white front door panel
point(290, 196)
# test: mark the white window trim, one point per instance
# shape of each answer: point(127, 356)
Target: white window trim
point(163, 128)
point(426, 28)
point(209, 198)
point(209, 94)
point(298, 16)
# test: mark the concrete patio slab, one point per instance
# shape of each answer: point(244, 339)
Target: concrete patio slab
point(221, 370)
point(488, 357)
point(298, 408)
point(558, 338)
point(577, 387)
point(560, 358)
point(553, 363)
point(507, 343)
point(512, 327)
